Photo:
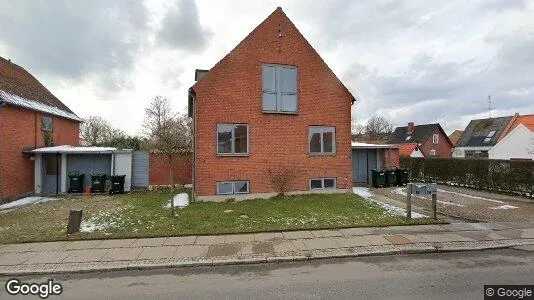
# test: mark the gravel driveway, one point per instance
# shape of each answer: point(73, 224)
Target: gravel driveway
point(469, 204)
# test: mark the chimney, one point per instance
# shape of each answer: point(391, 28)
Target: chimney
point(410, 128)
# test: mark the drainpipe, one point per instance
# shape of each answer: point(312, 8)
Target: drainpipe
point(192, 96)
point(2, 104)
point(57, 172)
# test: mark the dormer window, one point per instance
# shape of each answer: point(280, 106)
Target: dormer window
point(279, 88)
point(489, 136)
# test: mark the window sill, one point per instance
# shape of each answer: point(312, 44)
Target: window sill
point(280, 112)
point(233, 155)
point(321, 154)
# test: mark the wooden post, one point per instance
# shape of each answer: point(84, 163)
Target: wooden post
point(75, 219)
point(409, 201)
point(434, 206)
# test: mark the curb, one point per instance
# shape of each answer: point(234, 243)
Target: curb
point(384, 250)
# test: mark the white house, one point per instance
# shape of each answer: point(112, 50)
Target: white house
point(518, 144)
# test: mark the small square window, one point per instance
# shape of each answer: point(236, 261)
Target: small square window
point(316, 184)
point(322, 183)
point(432, 152)
point(233, 187)
point(225, 188)
point(329, 183)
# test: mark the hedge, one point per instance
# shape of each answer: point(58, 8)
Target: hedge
point(503, 176)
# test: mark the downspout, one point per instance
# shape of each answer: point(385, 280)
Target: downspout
point(2, 104)
point(193, 181)
point(57, 172)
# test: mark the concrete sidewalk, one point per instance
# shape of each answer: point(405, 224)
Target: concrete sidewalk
point(127, 254)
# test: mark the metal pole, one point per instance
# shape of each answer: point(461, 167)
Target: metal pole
point(409, 201)
point(434, 206)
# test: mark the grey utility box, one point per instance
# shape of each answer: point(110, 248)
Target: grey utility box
point(424, 189)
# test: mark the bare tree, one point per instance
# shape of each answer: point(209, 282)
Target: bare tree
point(167, 132)
point(378, 128)
point(95, 130)
point(358, 132)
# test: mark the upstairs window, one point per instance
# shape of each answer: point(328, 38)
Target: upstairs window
point(232, 139)
point(46, 123)
point(322, 140)
point(432, 152)
point(279, 87)
point(435, 138)
point(489, 136)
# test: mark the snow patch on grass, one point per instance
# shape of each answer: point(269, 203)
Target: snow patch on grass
point(388, 208)
point(26, 201)
point(104, 221)
point(180, 201)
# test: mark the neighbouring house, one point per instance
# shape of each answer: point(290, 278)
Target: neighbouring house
point(366, 157)
point(270, 111)
point(410, 150)
point(431, 140)
point(517, 142)
point(480, 136)
point(455, 136)
point(30, 117)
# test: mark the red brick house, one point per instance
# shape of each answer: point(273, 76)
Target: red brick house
point(270, 107)
point(30, 117)
point(431, 140)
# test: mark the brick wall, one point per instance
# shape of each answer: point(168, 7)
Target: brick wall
point(390, 158)
point(20, 129)
point(159, 169)
point(232, 93)
point(443, 149)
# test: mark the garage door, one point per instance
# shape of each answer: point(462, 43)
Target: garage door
point(363, 160)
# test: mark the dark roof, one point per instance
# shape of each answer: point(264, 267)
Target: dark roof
point(420, 134)
point(17, 81)
point(477, 130)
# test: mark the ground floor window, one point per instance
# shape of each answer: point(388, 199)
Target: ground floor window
point(322, 183)
point(233, 187)
point(476, 154)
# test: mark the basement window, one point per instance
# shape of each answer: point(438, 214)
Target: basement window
point(322, 183)
point(46, 123)
point(233, 187)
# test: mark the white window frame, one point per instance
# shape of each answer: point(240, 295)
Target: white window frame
point(322, 183)
point(233, 182)
point(232, 147)
point(278, 91)
point(322, 130)
point(435, 138)
point(432, 152)
point(489, 136)
point(43, 128)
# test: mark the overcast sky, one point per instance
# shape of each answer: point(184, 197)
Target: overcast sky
point(422, 61)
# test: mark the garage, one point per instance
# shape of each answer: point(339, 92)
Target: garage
point(366, 157)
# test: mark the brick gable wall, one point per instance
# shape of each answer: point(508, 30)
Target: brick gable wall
point(232, 93)
point(443, 149)
point(20, 129)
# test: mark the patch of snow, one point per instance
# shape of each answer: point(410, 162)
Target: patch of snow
point(35, 105)
point(228, 210)
point(471, 196)
point(391, 209)
point(180, 200)
point(506, 206)
point(26, 201)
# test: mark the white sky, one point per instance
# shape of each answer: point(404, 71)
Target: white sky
point(421, 61)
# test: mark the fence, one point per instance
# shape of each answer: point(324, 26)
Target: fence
point(182, 169)
point(503, 176)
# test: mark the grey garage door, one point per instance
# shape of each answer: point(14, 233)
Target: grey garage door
point(363, 161)
point(140, 165)
point(88, 164)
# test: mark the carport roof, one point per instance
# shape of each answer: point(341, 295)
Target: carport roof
point(76, 150)
point(356, 145)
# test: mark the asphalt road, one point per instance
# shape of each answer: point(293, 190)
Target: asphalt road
point(459, 275)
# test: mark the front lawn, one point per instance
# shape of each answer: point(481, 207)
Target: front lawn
point(143, 214)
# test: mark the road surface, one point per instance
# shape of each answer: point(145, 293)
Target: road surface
point(459, 275)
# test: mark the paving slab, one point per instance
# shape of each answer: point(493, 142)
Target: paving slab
point(529, 248)
point(210, 240)
point(190, 251)
point(326, 233)
point(150, 242)
point(85, 255)
point(117, 243)
point(81, 244)
point(180, 240)
point(263, 247)
point(223, 250)
point(14, 258)
point(397, 239)
point(268, 236)
point(511, 233)
point(284, 246)
point(48, 246)
point(299, 244)
point(17, 247)
point(320, 243)
point(239, 238)
point(439, 237)
point(157, 252)
point(528, 233)
point(121, 254)
point(293, 235)
point(48, 257)
point(354, 231)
